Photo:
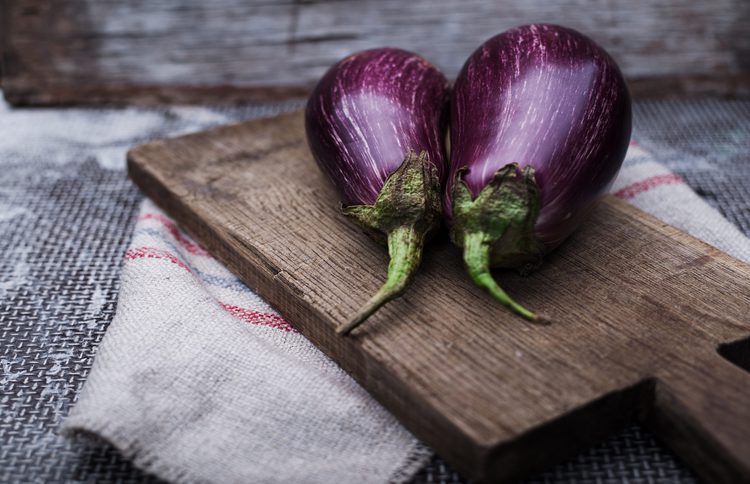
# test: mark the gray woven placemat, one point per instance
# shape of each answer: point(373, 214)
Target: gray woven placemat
point(66, 214)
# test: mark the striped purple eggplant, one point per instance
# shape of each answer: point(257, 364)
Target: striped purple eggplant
point(540, 123)
point(376, 125)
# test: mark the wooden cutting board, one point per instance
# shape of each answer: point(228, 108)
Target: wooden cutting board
point(642, 313)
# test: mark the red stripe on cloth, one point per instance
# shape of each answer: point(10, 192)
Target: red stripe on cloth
point(645, 185)
point(154, 253)
point(247, 315)
point(175, 232)
point(256, 317)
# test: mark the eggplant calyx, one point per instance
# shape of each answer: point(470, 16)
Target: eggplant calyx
point(406, 213)
point(496, 229)
point(410, 196)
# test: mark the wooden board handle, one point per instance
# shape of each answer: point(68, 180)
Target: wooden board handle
point(702, 410)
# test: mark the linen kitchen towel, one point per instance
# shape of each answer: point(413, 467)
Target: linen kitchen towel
point(199, 380)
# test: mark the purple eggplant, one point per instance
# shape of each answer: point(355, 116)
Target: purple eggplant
point(376, 125)
point(540, 123)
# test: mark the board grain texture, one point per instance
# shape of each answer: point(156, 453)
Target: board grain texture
point(156, 51)
point(639, 312)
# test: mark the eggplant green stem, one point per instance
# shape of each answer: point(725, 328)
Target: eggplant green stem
point(405, 250)
point(406, 213)
point(496, 229)
point(477, 260)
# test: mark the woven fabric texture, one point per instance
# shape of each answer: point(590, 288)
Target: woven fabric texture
point(66, 215)
point(198, 380)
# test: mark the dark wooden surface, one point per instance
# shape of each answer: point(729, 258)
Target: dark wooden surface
point(156, 51)
point(639, 310)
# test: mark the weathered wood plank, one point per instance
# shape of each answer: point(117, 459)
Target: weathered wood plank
point(638, 310)
point(164, 50)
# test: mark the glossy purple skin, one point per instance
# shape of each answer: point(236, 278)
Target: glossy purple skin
point(549, 97)
point(368, 111)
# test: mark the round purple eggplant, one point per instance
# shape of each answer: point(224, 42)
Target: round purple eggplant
point(540, 123)
point(376, 125)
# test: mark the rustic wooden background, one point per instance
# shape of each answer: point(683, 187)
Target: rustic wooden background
point(73, 51)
